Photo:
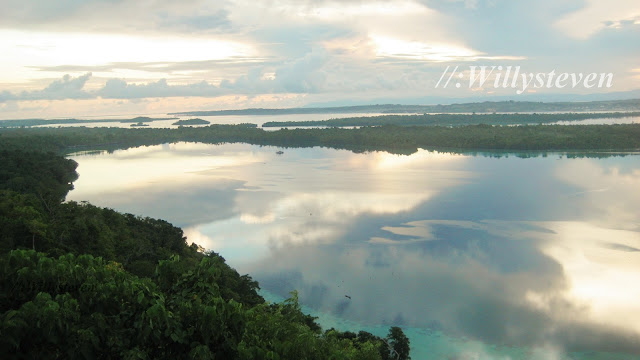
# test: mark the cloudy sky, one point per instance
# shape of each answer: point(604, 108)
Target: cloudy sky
point(80, 57)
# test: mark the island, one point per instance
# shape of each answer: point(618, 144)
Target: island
point(140, 124)
point(455, 119)
point(391, 138)
point(39, 122)
point(144, 119)
point(195, 121)
point(478, 107)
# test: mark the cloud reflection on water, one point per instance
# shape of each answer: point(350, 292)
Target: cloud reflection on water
point(507, 251)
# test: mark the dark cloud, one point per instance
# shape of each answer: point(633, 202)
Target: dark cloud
point(621, 247)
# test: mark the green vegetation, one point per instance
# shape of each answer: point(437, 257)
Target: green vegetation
point(78, 281)
point(396, 139)
point(479, 107)
point(140, 124)
point(39, 122)
point(192, 122)
point(452, 119)
point(143, 119)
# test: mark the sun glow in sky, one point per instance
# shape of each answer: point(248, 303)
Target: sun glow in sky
point(391, 47)
point(26, 51)
point(337, 10)
point(316, 51)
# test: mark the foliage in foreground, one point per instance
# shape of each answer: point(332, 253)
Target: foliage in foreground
point(86, 307)
point(115, 286)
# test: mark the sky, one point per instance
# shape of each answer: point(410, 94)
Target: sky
point(108, 57)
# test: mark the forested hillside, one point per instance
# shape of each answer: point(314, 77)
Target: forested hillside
point(80, 282)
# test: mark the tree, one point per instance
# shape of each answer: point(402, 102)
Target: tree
point(398, 344)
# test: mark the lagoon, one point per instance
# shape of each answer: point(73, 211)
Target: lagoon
point(494, 256)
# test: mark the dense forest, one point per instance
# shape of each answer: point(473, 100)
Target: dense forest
point(391, 138)
point(80, 282)
point(453, 119)
point(191, 122)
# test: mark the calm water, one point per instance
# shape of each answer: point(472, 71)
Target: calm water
point(227, 120)
point(476, 257)
point(259, 120)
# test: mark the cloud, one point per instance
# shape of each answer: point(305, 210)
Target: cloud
point(115, 16)
point(120, 89)
point(449, 284)
point(72, 88)
point(212, 22)
point(7, 96)
point(202, 202)
point(328, 49)
point(302, 75)
point(470, 278)
point(478, 266)
point(232, 64)
point(65, 88)
point(597, 15)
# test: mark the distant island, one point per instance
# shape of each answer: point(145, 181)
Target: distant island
point(453, 119)
point(390, 138)
point(140, 124)
point(40, 122)
point(478, 107)
point(144, 119)
point(191, 122)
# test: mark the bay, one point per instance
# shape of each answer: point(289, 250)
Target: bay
point(485, 256)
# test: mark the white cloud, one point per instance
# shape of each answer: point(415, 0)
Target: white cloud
point(120, 89)
point(328, 49)
point(334, 10)
point(65, 88)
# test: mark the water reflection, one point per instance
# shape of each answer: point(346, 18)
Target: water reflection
point(539, 252)
point(112, 121)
